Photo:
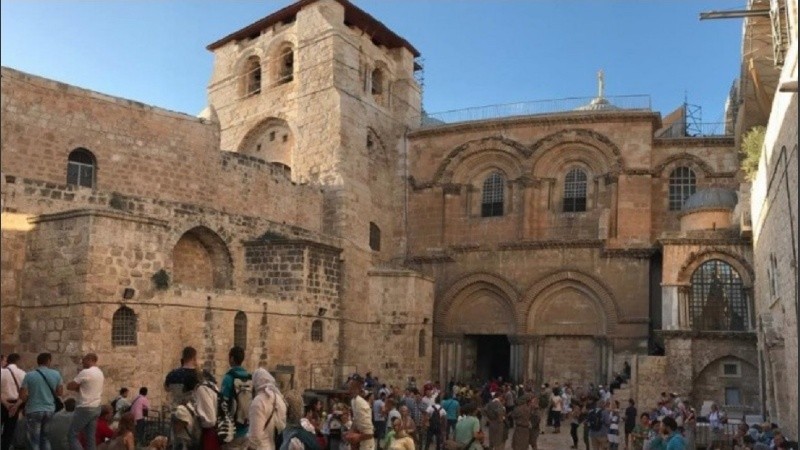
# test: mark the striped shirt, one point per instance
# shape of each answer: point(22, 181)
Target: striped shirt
point(613, 429)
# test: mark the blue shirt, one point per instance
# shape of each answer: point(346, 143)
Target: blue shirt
point(676, 442)
point(451, 407)
point(40, 393)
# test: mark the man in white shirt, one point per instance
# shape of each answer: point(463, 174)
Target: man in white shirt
point(11, 378)
point(361, 435)
point(89, 386)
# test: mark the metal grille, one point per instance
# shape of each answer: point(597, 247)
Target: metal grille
point(240, 330)
point(575, 191)
point(123, 327)
point(682, 184)
point(492, 202)
point(80, 168)
point(718, 300)
point(316, 331)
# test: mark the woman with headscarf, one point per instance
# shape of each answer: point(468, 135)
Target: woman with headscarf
point(521, 415)
point(267, 413)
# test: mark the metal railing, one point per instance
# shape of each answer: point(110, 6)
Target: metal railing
point(689, 130)
point(530, 108)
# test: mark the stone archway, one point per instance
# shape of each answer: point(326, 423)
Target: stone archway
point(201, 259)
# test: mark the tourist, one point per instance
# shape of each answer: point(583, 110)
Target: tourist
point(399, 439)
point(716, 419)
point(332, 428)
point(521, 415)
point(361, 436)
point(468, 434)
point(89, 386)
point(437, 423)
point(690, 427)
point(58, 427)
point(630, 420)
point(123, 438)
point(120, 404)
point(640, 432)
point(453, 409)
point(655, 440)
point(11, 377)
point(674, 439)
point(536, 423)
point(379, 418)
point(38, 393)
point(391, 410)
point(206, 398)
point(268, 412)
point(103, 431)
point(544, 403)
point(613, 426)
point(180, 382)
point(140, 408)
point(510, 400)
point(556, 407)
point(574, 424)
point(237, 391)
point(598, 421)
point(407, 421)
point(496, 414)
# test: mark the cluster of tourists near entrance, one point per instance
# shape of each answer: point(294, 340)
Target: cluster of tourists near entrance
point(247, 410)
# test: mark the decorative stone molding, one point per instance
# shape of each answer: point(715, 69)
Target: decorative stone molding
point(723, 254)
point(693, 160)
point(459, 154)
point(442, 307)
point(582, 136)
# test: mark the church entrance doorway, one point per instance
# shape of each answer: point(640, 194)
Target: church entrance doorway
point(492, 355)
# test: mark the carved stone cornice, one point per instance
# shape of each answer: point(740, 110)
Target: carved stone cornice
point(637, 253)
point(429, 259)
point(746, 336)
point(536, 245)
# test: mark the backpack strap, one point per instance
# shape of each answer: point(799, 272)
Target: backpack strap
point(52, 391)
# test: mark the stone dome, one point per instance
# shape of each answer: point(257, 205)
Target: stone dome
point(598, 104)
point(711, 198)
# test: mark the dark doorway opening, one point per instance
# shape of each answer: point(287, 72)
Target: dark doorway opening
point(493, 357)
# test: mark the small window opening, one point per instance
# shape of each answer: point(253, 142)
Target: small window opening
point(575, 191)
point(730, 369)
point(286, 72)
point(123, 327)
point(316, 331)
point(377, 82)
point(271, 136)
point(253, 75)
point(374, 237)
point(240, 330)
point(493, 192)
point(258, 147)
point(285, 138)
point(81, 168)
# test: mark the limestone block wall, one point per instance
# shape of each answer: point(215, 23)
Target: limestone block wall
point(13, 228)
point(775, 224)
point(649, 378)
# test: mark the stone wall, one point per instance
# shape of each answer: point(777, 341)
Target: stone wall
point(649, 378)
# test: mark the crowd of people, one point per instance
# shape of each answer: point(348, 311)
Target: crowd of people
point(248, 411)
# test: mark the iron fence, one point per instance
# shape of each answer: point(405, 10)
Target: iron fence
point(706, 438)
point(530, 108)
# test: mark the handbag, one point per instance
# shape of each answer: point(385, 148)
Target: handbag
point(59, 404)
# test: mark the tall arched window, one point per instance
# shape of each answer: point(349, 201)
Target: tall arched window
point(682, 184)
point(81, 166)
point(377, 82)
point(286, 65)
point(718, 300)
point(240, 330)
point(575, 191)
point(422, 343)
point(493, 192)
point(123, 327)
point(253, 75)
point(316, 331)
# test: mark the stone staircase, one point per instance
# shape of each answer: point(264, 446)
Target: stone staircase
point(623, 394)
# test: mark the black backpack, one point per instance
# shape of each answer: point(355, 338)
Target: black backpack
point(595, 420)
point(435, 422)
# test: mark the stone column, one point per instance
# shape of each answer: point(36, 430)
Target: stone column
point(670, 316)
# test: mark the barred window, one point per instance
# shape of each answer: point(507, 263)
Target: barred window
point(575, 191)
point(81, 168)
point(240, 330)
point(123, 327)
point(316, 331)
point(718, 299)
point(253, 75)
point(422, 343)
point(682, 184)
point(492, 202)
point(374, 237)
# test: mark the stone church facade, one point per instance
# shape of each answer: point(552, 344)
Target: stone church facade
point(313, 214)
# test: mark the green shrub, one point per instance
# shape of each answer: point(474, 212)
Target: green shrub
point(752, 144)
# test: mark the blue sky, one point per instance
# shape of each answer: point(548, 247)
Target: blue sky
point(476, 52)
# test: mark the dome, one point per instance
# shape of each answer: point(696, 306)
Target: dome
point(711, 198)
point(598, 104)
point(209, 114)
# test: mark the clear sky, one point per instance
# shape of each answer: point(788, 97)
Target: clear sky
point(476, 52)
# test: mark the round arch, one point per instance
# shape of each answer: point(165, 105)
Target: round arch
point(271, 139)
point(200, 258)
point(701, 168)
point(535, 300)
point(489, 289)
point(695, 260)
point(450, 164)
point(582, 138)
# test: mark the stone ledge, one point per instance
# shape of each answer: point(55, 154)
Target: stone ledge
point(42, 218)
point(711, 335)
point(287, 242)
point(399, 273)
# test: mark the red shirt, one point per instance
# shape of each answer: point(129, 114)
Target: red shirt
point(103, 432)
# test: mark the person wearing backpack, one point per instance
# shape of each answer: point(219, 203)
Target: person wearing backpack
point(598, 421)
point(267, 413)
point(437, 423)
point(237, 392)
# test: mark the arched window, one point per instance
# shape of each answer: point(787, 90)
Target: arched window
point(377, 82)
point(718, 300)
point(253, 75)
point(421, 350)
point(240, 330)
point(81, 166)
point(374, 237)
point(492, 200)
point(123, 327)
point(316, 331)
point(682, 184)
point(575, 191)
point(286, 65)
